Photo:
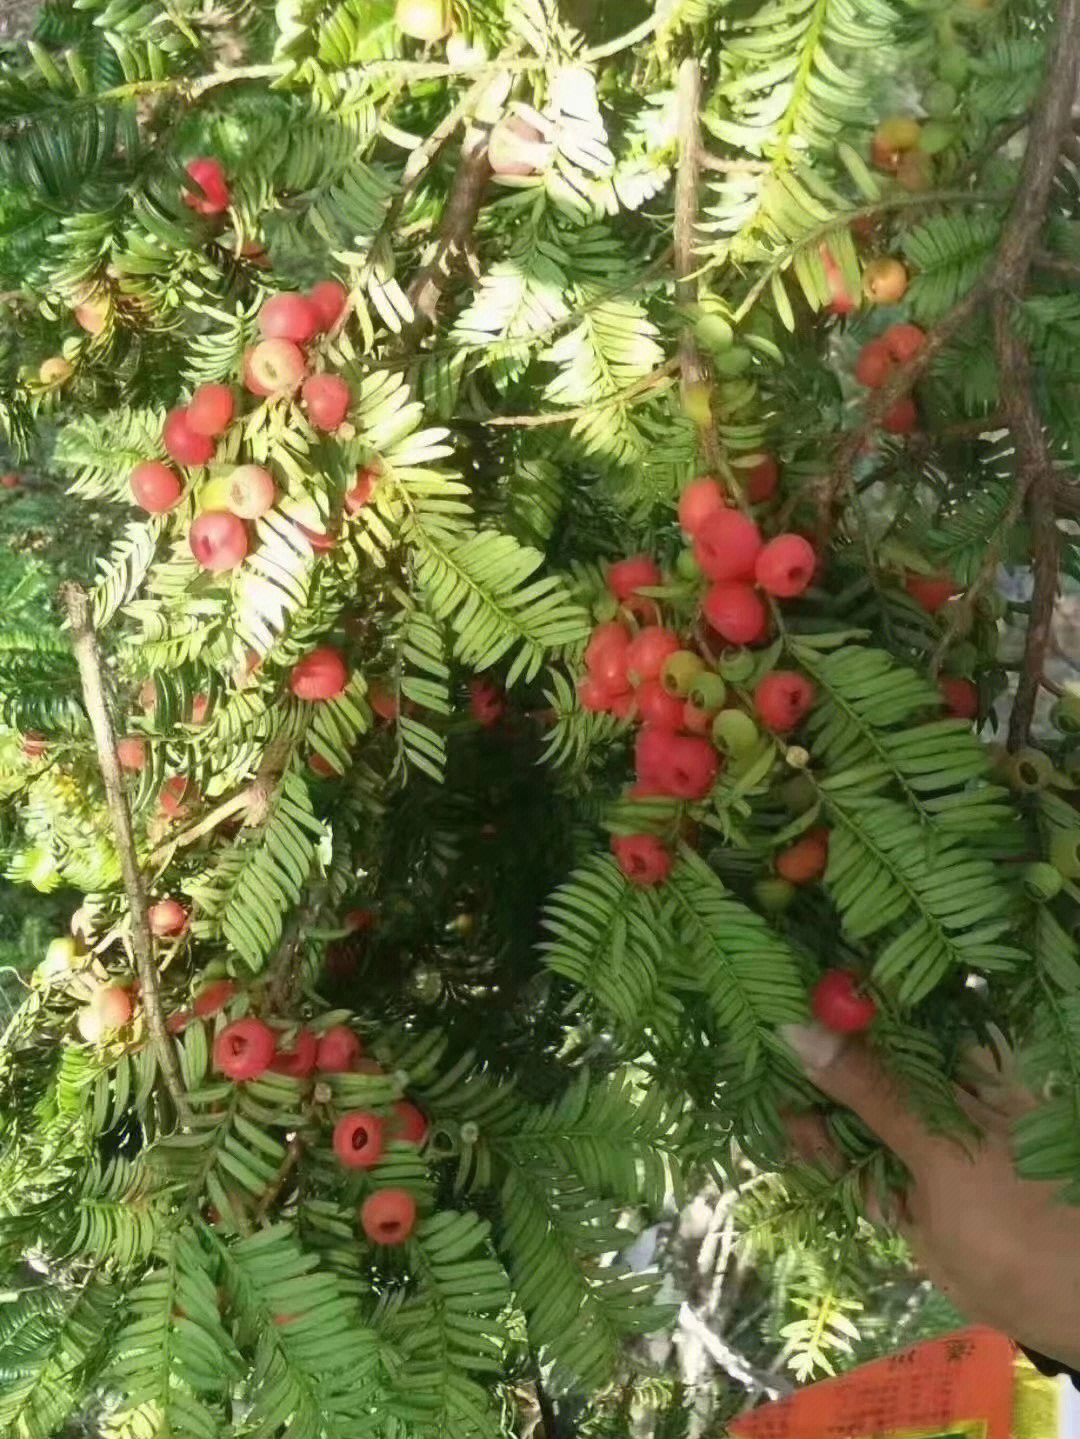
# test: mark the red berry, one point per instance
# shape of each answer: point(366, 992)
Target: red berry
point(213, 999)
point(244, 1049)
point(363, 491)
point(838, 1004)
point(167, 919)
point(960, 695)
point(383, 703)
point(874, 365)
point(701, 498)
point(409, 1124)
point(327, 399)
point(218, 540)
point(642, 858)
point(200, 708)
point(358, 1140)
point(904, 341)
point(329, 298)
point(155, 488)
point(289, 317)
point(321, 675)
point(696, 720)
point(648, 652)
point(486, 703)
point(806, 859)
point(727, 545)
point(656, 707)
point(642, 609)
point(11, 481)
point(359, 921)
point(760, 480)
point(212, 195)
point(211, 410)
point(34, 745)
point(274, 367)
point(181, 442)
point(593, 697)
point(736, 612)
point(640, 572)
point(902, 418)
point(605, 656)
point(388, 1216)
point(683, 766)
point(931, 591)
point(299, 1061)
point(843, 302)
point(175, 799)
point(323, 767)
point(786, 566)
point(783, 700)
point(131, 753)
point(339, 1050)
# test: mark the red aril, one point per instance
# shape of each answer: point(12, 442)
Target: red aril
point(213, 999)
point(388, 1216)
point(786, 566)
point(701, 498)
point(131, 753)
point(298, 1061)
point(211, 410)
point(155, 488)
point(211, 195)
point(783, 700)
point(806, 859)
point(655, 706)
point(218, 540)
point(339, 1050)
point(642, 858)
point(329, 298)
point(931, 591)
point(243, 1050)
point(648, 652)
point(904, 341)
point(321, 675)
point(181, 442)
point(487, 704)
point(874, 365)
point(759, 482)
point(901, 418)
point(838, 1004)
point(960, 695)
point(736, 612)
point(289, 316)
point(409, 1125)
point(628, 576)
point(326, 398)
point(727, 545)
point(168, 919)
point(358, 1140)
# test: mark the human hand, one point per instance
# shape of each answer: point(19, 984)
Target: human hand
point(1005, 1250)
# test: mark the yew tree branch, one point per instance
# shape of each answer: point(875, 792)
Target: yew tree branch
point(459, 218)
point(88, 656)
point(1007, 272)
point(1035, 486)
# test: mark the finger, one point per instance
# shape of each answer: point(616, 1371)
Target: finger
point(810, 1140)
point(985, 1117)
point(852, 1075)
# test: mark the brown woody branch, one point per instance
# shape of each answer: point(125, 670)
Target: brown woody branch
point(84, 643)
point(274, 1190)
point(459, 219)
point(1035, 488)
point(692, 366)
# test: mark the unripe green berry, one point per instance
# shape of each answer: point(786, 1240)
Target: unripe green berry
point(735, 733)
point(798, 793)
point(686, 566)
point(1066, 714)
point(712, 330)
point(737, 666)
point(1065, 852)
point(707, 691)
point(941, 103)
point(1042, 881)
point(936, 136)
point(1030, 770)
point(680, 671)
point(732, 362)
point(774, 894)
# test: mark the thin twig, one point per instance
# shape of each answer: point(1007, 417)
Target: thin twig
point(294, 1149)
point(708, 161)
point(692, 366)
point(84, 643)
point(729, 1360)
point(1035, 486)
point(1056, 265)
point(459, 217)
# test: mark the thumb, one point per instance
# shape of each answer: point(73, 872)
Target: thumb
point(849, 1072)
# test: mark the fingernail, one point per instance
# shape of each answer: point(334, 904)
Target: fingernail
point(816, 1047)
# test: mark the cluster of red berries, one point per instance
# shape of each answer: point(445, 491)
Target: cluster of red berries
point(275, 367)
point(877, 362)
point(247, 1048)
point(665, 682)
